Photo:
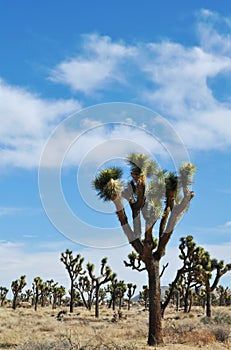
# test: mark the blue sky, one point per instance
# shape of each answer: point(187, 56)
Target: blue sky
point(60, 57)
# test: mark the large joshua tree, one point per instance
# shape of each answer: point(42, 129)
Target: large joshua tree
point(153, 195)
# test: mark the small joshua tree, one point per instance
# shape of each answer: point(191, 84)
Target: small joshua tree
point(86, 289)
point(152, 194)
point(3, 293)
point(105, 276)
point(17, 287)
point(120, 291)
point(131, 291)
point(186, 277)
point(74, 268)
point(144, 296)
point(205, 271)
point(112, 290)
point(37, 286)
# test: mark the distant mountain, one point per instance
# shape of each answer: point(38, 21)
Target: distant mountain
point(163, 290)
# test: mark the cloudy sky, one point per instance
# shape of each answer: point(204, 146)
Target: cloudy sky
point(84, 84)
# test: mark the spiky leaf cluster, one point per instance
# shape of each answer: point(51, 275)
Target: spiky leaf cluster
point(107, 183)
point(171, 182)
point(141, 165)
point(187, 171)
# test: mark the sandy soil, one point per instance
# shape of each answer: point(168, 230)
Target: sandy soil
point(187, 332)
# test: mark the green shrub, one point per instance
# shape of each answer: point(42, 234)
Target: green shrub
point(222, 317)
point(221, 333)
point(218, 319)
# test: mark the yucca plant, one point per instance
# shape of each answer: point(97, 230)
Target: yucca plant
point(152, 195)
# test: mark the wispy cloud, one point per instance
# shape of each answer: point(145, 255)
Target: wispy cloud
point(26, 122)
point(6, 211)
point(98, 65)
point(178, 78)
point(228, 224)
point(172, 78)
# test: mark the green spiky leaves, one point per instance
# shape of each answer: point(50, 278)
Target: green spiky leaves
point(141, 165)
point(107, 183)
point(187, 171)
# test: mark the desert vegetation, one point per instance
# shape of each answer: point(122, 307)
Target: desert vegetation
point(100, 311)
point(40, 317)
point(25, 329)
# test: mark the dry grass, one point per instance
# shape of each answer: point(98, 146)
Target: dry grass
point(25, 329)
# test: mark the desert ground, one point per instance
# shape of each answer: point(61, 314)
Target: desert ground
point(25, 329)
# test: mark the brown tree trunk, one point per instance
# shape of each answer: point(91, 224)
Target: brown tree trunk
point(97, 301)
point(208, 302)
point(14, 305)
point(186, 297)
point(155, 335)
point(72, 298)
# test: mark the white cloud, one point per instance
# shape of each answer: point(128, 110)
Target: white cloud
point(181, 75)
point(178, 80)
point(26, 121)
point(5, 211)
point(98, 66)
point(211, 39)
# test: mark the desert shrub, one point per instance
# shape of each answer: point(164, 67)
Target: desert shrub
point(62, 345)
point(221, 333)
point(219, 318)
point(188, 333)
point(222, 317)
point(68, 345)
point(200, 337)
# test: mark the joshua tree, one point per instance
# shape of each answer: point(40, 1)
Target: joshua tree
point(105, 276)
point(37, 286)
point(131, 291)
point(186, 277)
point(120, 291)
point(166, 197)
point(74, 268)
point(86, 289)
point(205, 271)
point(112, 289)
point(58, 293)
point(27, 296)
point(3, 293)
point(222, 295)
point(144, 296)
point(17, 287)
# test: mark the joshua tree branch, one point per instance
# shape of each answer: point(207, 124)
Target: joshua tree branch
point(163, 269)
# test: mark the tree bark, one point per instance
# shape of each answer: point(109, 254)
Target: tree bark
point(208, 303)
point(186, 296)
point(155, 335)
point(14, 302)
point(72, 298)
point(97, 301)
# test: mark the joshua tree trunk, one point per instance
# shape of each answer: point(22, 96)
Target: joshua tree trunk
point(177, 300)
point(97, 301)
point(208, 303)
point(14, 304)
point(155, 335)
point(186, 296)
point(72, 298)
